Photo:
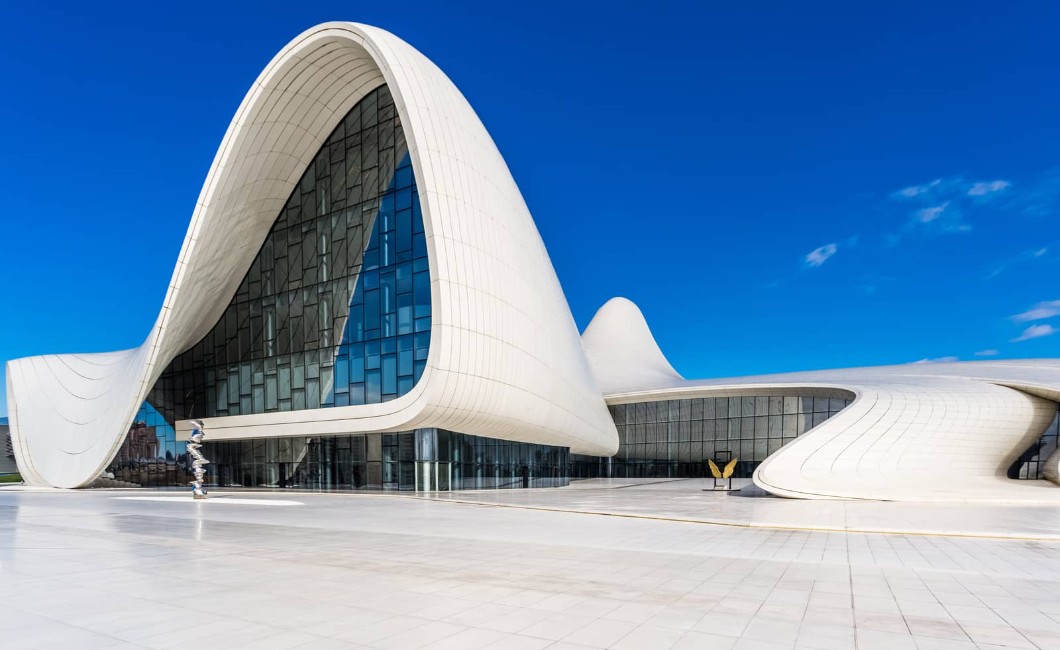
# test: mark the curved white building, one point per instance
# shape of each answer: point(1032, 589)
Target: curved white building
point(945, 431)
point(363, 301)
point(504, 357)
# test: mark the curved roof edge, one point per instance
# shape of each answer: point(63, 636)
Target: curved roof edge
point(622, 351)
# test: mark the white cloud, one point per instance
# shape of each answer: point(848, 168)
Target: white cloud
point(1035, 332)
point(1034, 255)
point(917, 190)
point(987, 353)
point(820, 255)
point(1041, 311)
point(943, 205)
point(938, 208)
point(937, 360)
point(982, 189)
point(927, 215)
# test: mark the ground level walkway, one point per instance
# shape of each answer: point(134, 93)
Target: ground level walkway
point(148, 569)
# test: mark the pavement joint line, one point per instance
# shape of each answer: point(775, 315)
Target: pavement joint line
point(733, 524)
point(686, 520)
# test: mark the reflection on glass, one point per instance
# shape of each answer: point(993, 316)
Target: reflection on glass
point(151, 455)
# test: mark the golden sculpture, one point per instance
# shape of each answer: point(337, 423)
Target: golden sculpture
point(730, 467)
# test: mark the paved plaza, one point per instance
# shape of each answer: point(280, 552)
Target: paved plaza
point(522, 569)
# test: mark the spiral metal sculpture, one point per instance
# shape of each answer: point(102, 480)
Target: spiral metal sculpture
point(199, 462)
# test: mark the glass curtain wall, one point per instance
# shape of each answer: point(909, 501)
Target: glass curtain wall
point(424, 459)
point(675, 438)
point(335, 309)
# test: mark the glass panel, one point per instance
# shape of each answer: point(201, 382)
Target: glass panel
point(305, 300)
point(675, 438)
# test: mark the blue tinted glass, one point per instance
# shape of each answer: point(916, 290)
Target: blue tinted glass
point(393, 295)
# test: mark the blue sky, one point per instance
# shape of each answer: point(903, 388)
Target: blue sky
point(779, 186)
